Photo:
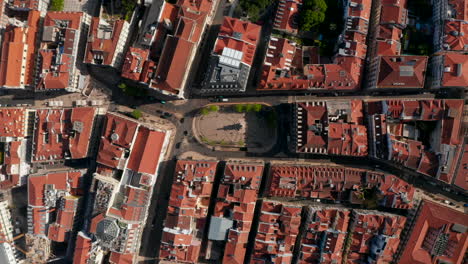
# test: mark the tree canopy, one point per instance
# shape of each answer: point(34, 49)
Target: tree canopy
point(136, 114)
point(312, 14)
point(56, 5)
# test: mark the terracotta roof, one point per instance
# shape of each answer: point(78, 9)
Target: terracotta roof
point(394, 12)
point(438, 235)
point(56, 233)
point(280, 53)
point(118, 258)
point(23, 5)
point(73, 19)
point(455, 70)
point(277, 231)
point(322, 129)
point(133, 64)
point(459, 9)
point(238, 35)
point(54, 75)
point(461, 178)
point(346, 71)
point(171, 67)
point(62, 133)
point(62, 180)
point(334, 182)
point(101, 47)
point(236, 200)
point(375, 231)
point(456, 36)
point(83, 247)
point(13, 122)
point(325, 224)
point(122, 128)
point(83, 119)
point(147, 148)
point(16, 42)
point(196, 5)
point(245, 174)
point(287, 15)
point(419, 154)
point(36, 190)
point(133, 205)
point(402, 71)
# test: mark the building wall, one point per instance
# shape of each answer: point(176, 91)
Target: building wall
point(119, 53)
point(6, 226)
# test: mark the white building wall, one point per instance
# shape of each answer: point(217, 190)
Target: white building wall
point(6, 226)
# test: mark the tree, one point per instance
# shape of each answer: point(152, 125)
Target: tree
point(213, 108)
point(249, 107)
point(204, 111)
point(253, 13)
point(136, 114)
point(312, 14)
point(309, 19)
point(257, 107)
point(239, 108)
point(56, 5)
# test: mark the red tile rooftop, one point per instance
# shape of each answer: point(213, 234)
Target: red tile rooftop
point(16, 42)
point(23, 4)
point(171, 68)
point(102, 43)
point(118, 258)
point(324, 224)
point(456, 36)
point(133, 64)
point(322, 129)
point(434, 160)
point(69, 181)
point(13, 122)
point(459, 9)
point(245, 174)
point(62, 133)
point(461, 178)
point(73, 19)
point(13, 49)
point(277, 232)
point(191, 171)
point(455, 70)
point(188, 208)
point(394, 12)
point(56, 233)
point(119, 131)
point(360, 8)
point(287, 15)
point(402, 71)
point(240, 30)
point(336, 183)
point(146, 151)
point(438, 235)
point(280, 53)
point(133, 206)
point(83, 247)
point(82, 120)
point(238, 35)
point(374, 231)
point(197, 5)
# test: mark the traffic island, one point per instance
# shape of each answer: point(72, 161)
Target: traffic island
point(236, 127)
